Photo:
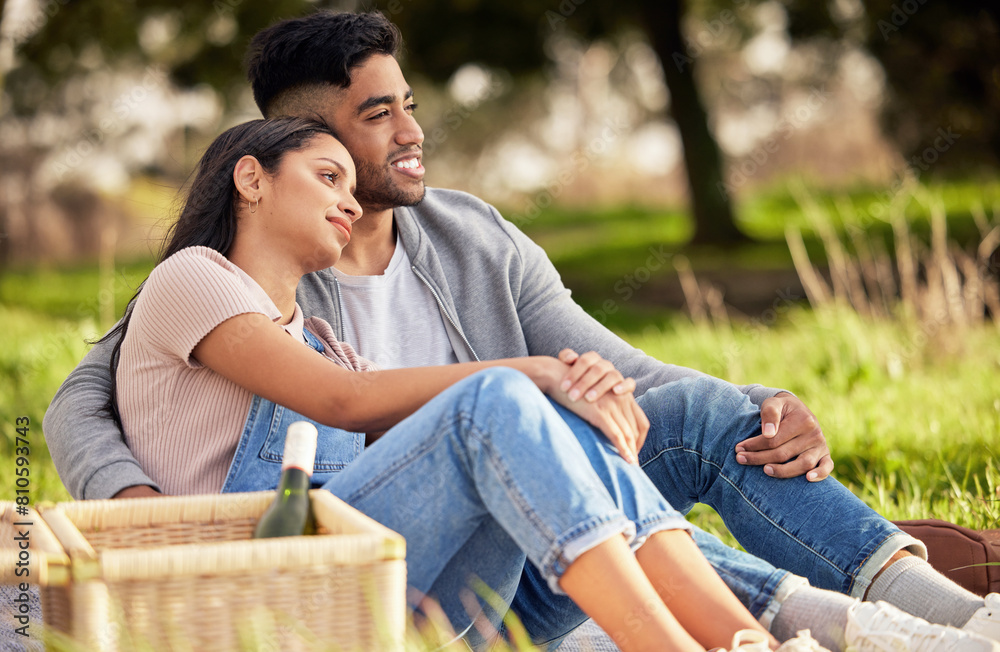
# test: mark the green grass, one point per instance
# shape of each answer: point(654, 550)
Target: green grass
point(912, 417)
point(38, 352)
point(74, 293)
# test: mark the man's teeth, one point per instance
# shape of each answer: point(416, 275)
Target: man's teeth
point(410, 164)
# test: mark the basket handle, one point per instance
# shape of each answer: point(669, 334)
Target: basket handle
point(69, 536)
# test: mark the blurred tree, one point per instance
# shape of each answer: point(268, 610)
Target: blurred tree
point(942, 69)
point(940, 60)
point(79, 80)
point(193, 42)
point(199, 42)
point(443, 34)
point(942, 63)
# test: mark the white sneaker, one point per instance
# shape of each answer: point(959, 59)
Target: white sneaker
point(881, 627)
point(752, 640)
point(803, 642)
point(986, 620)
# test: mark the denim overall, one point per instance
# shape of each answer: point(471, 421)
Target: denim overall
point(256, 466)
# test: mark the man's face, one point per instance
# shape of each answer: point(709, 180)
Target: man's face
point(374, 119)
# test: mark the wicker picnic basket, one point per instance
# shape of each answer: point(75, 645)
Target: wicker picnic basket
point(184, 573)
point(44, 567)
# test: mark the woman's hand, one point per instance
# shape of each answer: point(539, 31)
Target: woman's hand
point(619, 417)
point(590, 376)
point(608, 404)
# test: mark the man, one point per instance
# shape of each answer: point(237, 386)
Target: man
point(436, 276)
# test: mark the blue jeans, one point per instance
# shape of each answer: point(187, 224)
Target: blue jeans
point(487, 473)
point(817, 530)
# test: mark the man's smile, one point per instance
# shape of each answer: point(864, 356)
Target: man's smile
point(409, 164)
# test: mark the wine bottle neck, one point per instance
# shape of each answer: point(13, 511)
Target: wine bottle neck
point(294, 479)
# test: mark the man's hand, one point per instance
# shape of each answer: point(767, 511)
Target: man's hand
point(137, 491)
point(791, 442)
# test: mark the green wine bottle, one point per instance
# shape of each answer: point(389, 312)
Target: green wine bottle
point(290, 513)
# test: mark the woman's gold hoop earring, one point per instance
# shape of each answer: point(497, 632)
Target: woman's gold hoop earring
point(253, 207)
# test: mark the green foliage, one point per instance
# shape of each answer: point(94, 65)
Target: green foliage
point(192, 42)
point(912, 414)
point(38, 352)
point(47, 318)
point(74, 293)
point(765, 214)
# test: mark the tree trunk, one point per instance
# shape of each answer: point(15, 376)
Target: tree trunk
point(710, 204)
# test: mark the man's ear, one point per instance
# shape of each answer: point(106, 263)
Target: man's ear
point(248, 175)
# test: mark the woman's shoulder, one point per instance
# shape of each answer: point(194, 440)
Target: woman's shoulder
point(192, 267)
point(193, 258)
point(196, 281)
point(187, 295)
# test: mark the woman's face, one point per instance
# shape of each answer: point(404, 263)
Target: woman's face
point(310, 203)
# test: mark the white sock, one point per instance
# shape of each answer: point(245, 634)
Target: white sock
point(823, 613)
point(915, 587)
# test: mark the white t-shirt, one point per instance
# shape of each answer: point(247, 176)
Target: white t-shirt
point(393, 319)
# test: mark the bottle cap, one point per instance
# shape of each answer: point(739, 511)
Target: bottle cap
point(300, 447)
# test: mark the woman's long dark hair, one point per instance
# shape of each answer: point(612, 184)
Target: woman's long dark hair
point(209, 214)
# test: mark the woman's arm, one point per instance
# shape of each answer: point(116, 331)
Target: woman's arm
point(250, 350)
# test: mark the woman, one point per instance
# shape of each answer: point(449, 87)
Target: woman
point(476, 467)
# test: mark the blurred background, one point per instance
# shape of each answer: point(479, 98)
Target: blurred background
point(694, 117)
point(803, 194)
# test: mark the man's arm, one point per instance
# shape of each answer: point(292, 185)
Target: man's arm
point(86, 445)
point(791, 442)
point(551, 321)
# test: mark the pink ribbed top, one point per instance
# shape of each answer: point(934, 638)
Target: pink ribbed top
point(182, 420)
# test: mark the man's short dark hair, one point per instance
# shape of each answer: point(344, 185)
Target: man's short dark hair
point(317, 49)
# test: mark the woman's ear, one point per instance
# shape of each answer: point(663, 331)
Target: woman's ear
point(248, 174)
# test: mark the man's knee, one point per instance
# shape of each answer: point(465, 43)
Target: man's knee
point(689, 407)
point(692, 396)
